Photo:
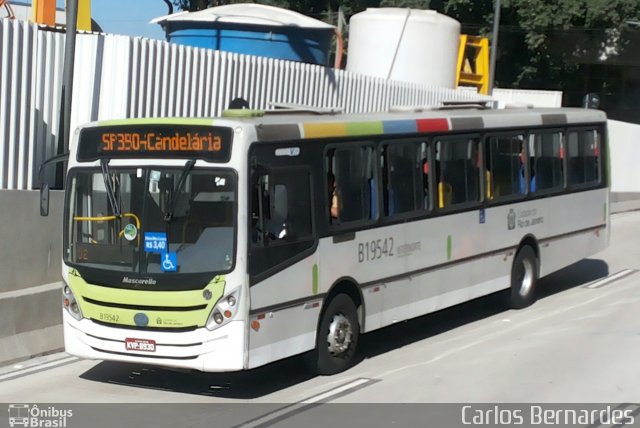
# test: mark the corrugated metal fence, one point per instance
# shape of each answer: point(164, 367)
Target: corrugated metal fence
point(30, 85)
point(119, 77)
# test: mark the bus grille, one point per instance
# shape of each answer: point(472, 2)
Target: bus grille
point(144, 307)
point(134, 327)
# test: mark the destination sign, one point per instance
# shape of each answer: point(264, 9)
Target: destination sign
point(212, 143)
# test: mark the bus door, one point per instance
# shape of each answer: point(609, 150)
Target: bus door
point(281, 230)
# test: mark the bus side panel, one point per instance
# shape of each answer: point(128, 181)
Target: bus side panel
point(551, 221)
point(405, 267)
point(287, 312)
point(574, 231)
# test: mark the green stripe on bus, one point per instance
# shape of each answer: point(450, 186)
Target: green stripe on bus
point(449, 245)
point(365, 128)
point(158, 121)
point(314, 279)
point(157, 318)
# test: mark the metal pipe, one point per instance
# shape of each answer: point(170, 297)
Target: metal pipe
point(67, 73)
point(494, 46)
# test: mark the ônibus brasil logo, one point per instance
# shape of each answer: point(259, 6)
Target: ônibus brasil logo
point(32, 416)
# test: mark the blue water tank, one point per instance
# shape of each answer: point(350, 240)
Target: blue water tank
point(252, 29)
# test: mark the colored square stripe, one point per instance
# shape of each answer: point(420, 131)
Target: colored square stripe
point(319, 130)
point(432, 125)
point(364, 128)
point(399, 126)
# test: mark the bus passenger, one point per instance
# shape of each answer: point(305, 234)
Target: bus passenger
point(334, 205)
point(425, 183)
point(521, 175)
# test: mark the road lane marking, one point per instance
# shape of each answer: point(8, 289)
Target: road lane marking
point(288, 411)
point(611, 278)
point(623, 407)
point(340, 391)
point(38, 368)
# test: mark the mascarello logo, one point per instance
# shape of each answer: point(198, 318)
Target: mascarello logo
point(32, 416)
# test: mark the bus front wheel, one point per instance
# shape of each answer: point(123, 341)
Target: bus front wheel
point(337, 337)
point(524, 278)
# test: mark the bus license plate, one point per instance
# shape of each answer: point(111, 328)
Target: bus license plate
point(140, 345)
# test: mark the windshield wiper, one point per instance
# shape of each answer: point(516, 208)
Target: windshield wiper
point(168, 216)
point(111, 194)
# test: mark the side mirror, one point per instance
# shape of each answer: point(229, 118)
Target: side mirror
point(44, 186)
point(44, 200)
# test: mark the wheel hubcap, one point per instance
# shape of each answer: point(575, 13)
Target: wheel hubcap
point(526, 277)
point(340, 335)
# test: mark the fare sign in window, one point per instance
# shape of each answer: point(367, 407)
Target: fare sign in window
point(211, 143)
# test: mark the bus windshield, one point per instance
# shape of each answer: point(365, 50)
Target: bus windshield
point(151, 220)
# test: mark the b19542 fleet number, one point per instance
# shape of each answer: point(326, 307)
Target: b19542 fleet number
point(375, 249)
point(109, 317)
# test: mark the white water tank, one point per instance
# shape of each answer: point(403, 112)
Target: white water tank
point(419, 46)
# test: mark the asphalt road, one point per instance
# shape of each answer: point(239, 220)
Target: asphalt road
point(580, 343)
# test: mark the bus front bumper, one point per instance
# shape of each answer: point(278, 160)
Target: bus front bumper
point(219, 350)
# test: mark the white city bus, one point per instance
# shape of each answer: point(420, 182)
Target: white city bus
point(228, 243)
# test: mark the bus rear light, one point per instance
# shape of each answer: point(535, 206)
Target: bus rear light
point(255, 325)
point(224, 310)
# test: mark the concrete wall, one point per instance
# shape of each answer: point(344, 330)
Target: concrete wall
point(31, 247)
point(624, 140)
point(537, 98)
point(624, 143)
point(30, 256)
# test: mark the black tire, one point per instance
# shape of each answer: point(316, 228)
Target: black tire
point(524, 278)
point(329, 357)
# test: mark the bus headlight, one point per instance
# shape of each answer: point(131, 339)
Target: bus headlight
point(70, 303)
point(224, 310)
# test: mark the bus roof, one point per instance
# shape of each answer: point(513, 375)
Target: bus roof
point(281, 126)
point(299, 126)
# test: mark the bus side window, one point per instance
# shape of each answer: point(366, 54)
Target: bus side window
point(444, 189)
point(425, 170)
point(459, 178)
point(355, 184)
point(548, 153)
point(403, 175)
point(583, 157)
point(505, 165)
point(281, 206)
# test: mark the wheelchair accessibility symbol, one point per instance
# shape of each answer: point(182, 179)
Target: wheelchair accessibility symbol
point(169, 262)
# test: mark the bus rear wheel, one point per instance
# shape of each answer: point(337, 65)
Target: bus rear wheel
point(337, 337)
point(524, 278)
